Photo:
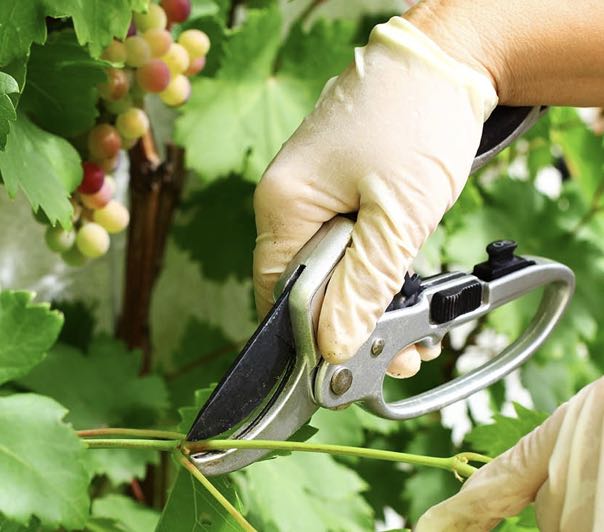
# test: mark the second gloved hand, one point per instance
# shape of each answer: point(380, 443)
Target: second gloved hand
point(393, 137)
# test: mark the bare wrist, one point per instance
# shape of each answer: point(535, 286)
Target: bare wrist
point(457, 28)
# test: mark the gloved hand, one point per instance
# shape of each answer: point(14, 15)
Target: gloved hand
point(393, 138)
point(560, 466)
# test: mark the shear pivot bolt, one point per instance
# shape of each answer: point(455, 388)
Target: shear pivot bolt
point(341, 381)
point(377, 347)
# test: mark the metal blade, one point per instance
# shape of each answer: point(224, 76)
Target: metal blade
point(253, 375)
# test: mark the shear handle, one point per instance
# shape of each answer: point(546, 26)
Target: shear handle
point(400, 328)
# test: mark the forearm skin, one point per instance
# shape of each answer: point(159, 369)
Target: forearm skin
point(535, 51)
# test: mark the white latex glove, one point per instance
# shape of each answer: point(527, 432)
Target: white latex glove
point(393, 138)
point(559, 466)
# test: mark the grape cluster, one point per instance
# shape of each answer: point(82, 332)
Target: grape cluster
point(149, 60)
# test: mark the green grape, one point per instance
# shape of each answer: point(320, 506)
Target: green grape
point(73, 257)
point(196, 42)
point(158, 40)
point(133, 123)
point(114, 217)
point(104, 142)
point(154, 18)
point(178, 91)
point(92, 240)
point(116, 86)
point(153, 76)
point(115, 53)
point(177, 59)
point(119, 106)
point(139, 51)
point(59, 240)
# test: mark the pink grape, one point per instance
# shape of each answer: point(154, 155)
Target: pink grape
point(59, 240)
point(112, 184)
point(92, 240)
point(177, 59)
point(115, 52)
point(178, 91)
point(158, 40)
point(114, 217)
point(154, 76)
point(133, 123)
point(177, 10)
point(116, 86)
point(196, 66)
point(196, 42)
point(139, 51)
point(155, 17)
point(104, 142)
point(93, 178)
point(99, 199)
point(73, 257)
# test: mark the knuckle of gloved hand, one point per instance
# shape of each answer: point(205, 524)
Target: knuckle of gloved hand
point(275, 189)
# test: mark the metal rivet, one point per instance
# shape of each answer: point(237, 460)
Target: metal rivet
point(341, 381)
point(377, 347)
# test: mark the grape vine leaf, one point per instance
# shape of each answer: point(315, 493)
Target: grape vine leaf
point(219, 230)
point(101, 387)
point(237, 120)
point(189, 413)
point(45, 167)
point(190, 508)
point(47, 480)
point(8, 113)
point(582, 150)
point(96, 22)
point(33, 526)
point(133, 516)
point(201, 359)
point(505, 431)
point(61, 94)
point(120, 466)
point(27, 331)
point(305, 491)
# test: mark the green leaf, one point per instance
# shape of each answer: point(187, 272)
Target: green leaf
point(96, 22)
point(8, 113)
point(100, 388)
point(189, 413)
point(505, 432)
point(190, 508)
point(582, 150)
point(21, 23)
point(120, 466)
point(45, 167)
point(219, 231)
point(427, 486)
point(61, 94)
point(133, 516)
point(41, 464)
point(238, 120)
point(202, 358)
point(27, 331)
point(305, 492)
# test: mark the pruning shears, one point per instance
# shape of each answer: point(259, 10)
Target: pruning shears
point(279, 379)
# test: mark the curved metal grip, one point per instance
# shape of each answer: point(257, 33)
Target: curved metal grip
point(400, 328)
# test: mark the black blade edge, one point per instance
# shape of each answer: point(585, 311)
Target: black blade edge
point(254, 373)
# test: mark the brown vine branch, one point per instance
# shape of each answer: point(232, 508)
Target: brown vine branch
point(155, 191)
